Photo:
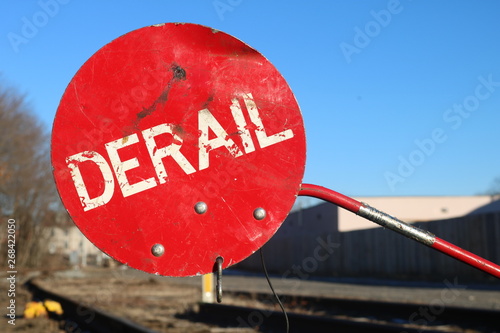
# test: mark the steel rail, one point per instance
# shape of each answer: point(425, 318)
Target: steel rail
point(80, 317)
point(383, 315)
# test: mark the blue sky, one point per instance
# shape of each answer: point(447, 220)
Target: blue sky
point(398, 97)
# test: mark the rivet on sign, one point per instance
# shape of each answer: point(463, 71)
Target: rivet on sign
point(157, 250)
point(259, 213)
point(200, 207)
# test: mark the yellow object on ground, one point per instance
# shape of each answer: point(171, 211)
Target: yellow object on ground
point(53, 306)
point(34, 310)
point(39, 309)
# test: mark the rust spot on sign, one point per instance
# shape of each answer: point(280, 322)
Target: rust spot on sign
point(178, 130)
point(208, 101)
point(179, 74)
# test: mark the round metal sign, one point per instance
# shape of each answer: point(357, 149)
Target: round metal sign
point(176, 144)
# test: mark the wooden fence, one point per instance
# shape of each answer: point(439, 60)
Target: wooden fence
point(313, 249)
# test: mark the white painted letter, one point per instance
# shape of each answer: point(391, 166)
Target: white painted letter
point(121, 166)
point(109, 182)
point(171, 150)
point(241, 124)
point(264, 140)
point(207, 121)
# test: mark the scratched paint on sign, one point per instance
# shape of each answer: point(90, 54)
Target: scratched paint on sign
point(206, 123)
point(163, 118)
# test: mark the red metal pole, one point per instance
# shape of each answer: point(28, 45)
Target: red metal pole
point(410, 231)
point(331, 196)
point(466, 257)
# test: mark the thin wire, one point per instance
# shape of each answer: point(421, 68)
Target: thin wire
point(272, 289)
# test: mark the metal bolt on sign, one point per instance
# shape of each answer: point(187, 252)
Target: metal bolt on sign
point(200, 207)
point(158, 250)
point(172, 112)
point(259, 213)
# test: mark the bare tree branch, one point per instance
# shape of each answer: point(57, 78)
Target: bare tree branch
point(27, 191)
point(494, 190)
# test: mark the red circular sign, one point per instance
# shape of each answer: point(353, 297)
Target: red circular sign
point(176, 144)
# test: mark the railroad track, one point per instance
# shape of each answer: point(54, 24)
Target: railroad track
point(345, 315)
point(79, 317)
point(316, 315)
point(274, 321)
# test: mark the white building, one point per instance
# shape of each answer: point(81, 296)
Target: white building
point(413, 209)
point(71, 243)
